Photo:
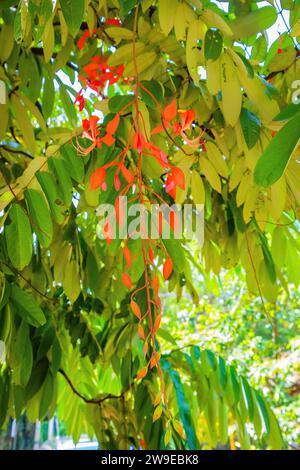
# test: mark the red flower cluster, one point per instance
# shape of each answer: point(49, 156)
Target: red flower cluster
point(91, 132)
point(98, 73)
point(113, 22)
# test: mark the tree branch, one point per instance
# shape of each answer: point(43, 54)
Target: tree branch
point(91, 401)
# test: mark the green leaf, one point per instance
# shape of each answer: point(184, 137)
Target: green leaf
point(289, 111)
point(74, 162)
point(251, 125)
point(58, 167)
point(118, 102)
point(274, 160)
point(247, 64)
point(213, 44)
point(175, 250)
point(22, 356)
point(56, 356)
point(46, 341)
point(39, 216)
point(73, 14)
point(222, 373)
point(39, 373)
point(18, 399)
point(47, 394)
point(126, 6)
point(4, 396)
point(259, 49)
point(268, 257)
point(253, 22)
point(47, 183)
point(27, 307)
point(248, 396)
point(24, 123)
point(153, 88)
point(48, 98)
point(263, 411)
point(163, 333)
point(275, 439)
point(68, 105)
point(18, 237)
point(184, 407)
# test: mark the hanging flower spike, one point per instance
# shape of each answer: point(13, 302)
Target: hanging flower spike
point(98, 178)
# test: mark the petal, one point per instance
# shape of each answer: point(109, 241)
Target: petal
point(112, 126)
point(97, 178)
point(170, 111)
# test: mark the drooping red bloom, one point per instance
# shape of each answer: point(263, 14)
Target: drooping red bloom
point(279, 50)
